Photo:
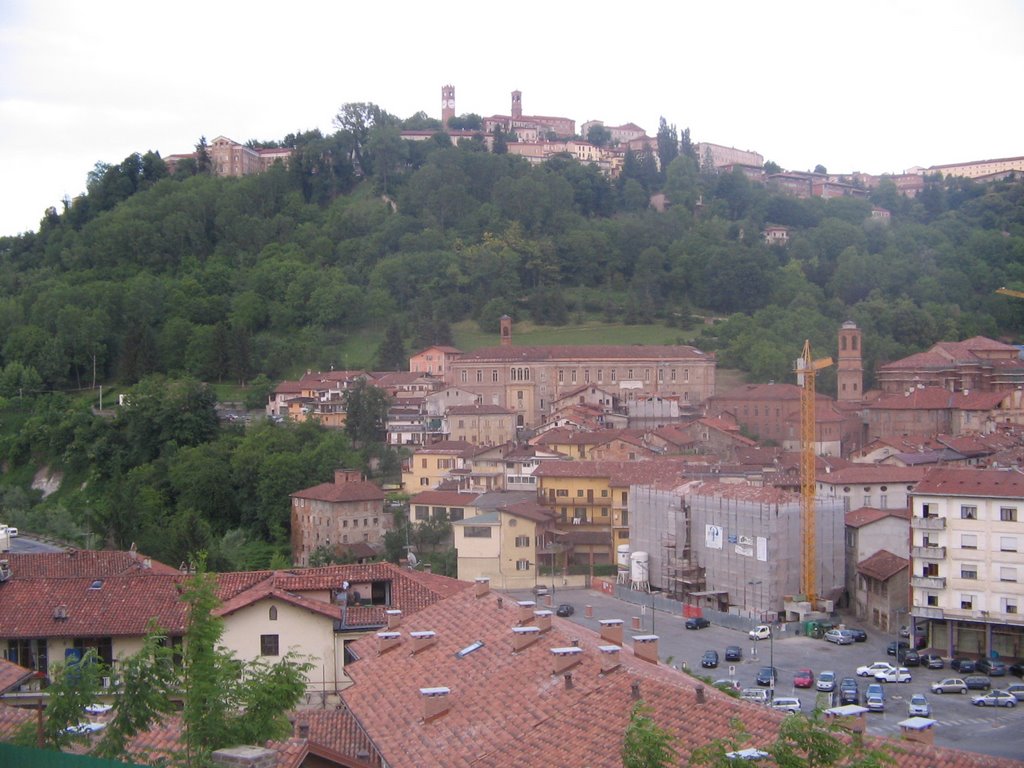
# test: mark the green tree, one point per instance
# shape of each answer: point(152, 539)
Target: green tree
point(74, 685)
point(668, 143)
point(203, 162)
point(391, 354)
point(647, 744)
point(366, 410)
point(598, 135)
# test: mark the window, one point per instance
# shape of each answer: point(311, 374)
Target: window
point(522, 541)
point(883, 501)
point(561, 376)
point(572, 375)
point(272, 613)
point(562, 492)
point(600, 376)
point(522, 565)
point(344, 523)
point(933, 600)
point(613, 375)
point(1008, 604)
point(967, 602)
point(1007, 543)
point(422, 512)
point(1008, 514)
point(30, 653)
point(968, 512)
point(672, 375)
point(968, 571)
point(661, 375)
point(478, 532)
point(579, 491)
point(1007, 573)
point(629, 373)
point(623, 534)
point(625, 517)
point(494, 375)
point(268, 645)
point(423, 463)
point(479, 376)
point(968, 541)
point(457, 513)
point(604, 511)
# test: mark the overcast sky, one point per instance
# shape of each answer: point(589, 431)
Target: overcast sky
point(870, 86)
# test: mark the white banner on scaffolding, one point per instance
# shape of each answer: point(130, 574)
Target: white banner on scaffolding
point(745, 546)
point(762, 549)
point(713, 536)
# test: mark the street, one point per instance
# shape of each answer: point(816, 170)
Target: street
point(961, 725)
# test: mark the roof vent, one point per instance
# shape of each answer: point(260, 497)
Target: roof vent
point(609, 658)
point(700, 693)
point(566, 658)
point(523, 636)
point(435, 702)
point(568, 681)
point(60, 612)
point(387, 640)
point(634, 690)
point(394, 618)
point(422, 640)
point(611, 630)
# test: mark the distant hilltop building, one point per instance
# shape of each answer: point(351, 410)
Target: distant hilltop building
point(721, 156)
point(229, 158)
point(529, 127)
point(986, 170)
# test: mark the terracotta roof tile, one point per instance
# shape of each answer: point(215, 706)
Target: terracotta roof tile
point(78, 563)
point(857, 474)
point(882, 565)
point(861, 516)
point(12, 675)
point(445, 498)
point(972, 482)
point(356, 490)
point(576, 352)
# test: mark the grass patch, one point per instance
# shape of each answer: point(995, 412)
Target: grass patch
point(468, 335)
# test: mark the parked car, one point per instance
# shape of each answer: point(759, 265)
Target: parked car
point(849, 691)
point(859, 635)
point(896, 646)
point(869, 670)
point(766, 676)
point(950, 685)
point(995, 698)
point(565, 610)
point(804, 678)
point(697, 622)
point(875, 703)
point(839, 637)
point(875, 689)
point(12, 532)
point(964, 666)
point(919, 706)
point(709, 659)
point(932, 661)
point(733, 653)
point(978, 682)
point(760, 695)
point(826, 681)
point(540, 589)
point(789, 704)
point(760, 632)
point(905, 631)
point(1017, 669)
point(898, 675)
point(1017, 689)
point(909, 658)
point(991, 667)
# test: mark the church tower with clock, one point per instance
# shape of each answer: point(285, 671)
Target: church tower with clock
point(447, 104)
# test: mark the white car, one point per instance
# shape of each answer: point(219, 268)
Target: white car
point(12, 532)
point(875, 703)
point(760, 632)
point(919, 706)
point(787, 704)
point(870, 670)
point(826, 681)
point(900, 675)
point(995, 699)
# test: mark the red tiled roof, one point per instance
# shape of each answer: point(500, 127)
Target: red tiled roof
point(882, 565)
point(12, 675)
point(937, 399)
point(861, 516)
point(942, 354)
point(530, 510)
point(444, 498)
point(479, 410)
point(513, 353)
point(779, 391)
point(447, 447)
point(121, 605)
point(355, 490)
point(78, 563)
point(993, 483)
point(857, 474)
point(756, 493)
point(13, 719)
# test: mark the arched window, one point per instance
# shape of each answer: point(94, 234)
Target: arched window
point(842, 342)
point(853, 343)
point(273, 613)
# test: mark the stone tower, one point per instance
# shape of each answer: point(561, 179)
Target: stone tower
point(506, 330)
point(517, 105)
point(447, 104)
point(850, 373)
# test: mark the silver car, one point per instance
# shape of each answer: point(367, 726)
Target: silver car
point(950, 685)
point(826, 682)
point(919, 706)
point(839, 636)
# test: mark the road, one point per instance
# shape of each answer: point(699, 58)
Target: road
point(23, 544)
point(986, 730)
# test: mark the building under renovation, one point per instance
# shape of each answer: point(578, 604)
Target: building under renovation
point(731, 547)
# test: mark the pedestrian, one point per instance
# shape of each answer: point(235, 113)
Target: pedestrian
point(343, 601)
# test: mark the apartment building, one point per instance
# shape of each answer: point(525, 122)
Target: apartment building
point(968, 561)
point(335, 516)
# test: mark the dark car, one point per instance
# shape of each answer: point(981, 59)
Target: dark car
point(565, 610)
point(697, 622)
point(859, 635)
point(991, 667)
point(932, 661)
point(849, 691)
point(963, 666)
point(897, 646)
point(909, 658)
point(766, 675)
point(1017, 669)
point(977, 682)
point(733, 653)
point(709, 659)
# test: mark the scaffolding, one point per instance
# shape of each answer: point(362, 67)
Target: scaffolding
point(680, 576)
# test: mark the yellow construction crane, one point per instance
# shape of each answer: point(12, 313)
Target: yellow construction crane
point(806, 369)
point(1010, 292)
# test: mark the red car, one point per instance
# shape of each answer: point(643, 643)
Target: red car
point(804, 678)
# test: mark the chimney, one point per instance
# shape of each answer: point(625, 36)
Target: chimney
point(919, 729)
point(422, 640)
point(566, 658)
point(526, 610)
point(568, 681)
point(699, 690)
point(342, 476)
point(542, 619)
point(646, 647)
point(523, 636)
point(303, 730)
point(244, 757)
point(611, 630)
point(435, 702)
point(428, 568)
point(394, 618)
point(483, 586)
point(609, 658)
point(634, 690)
point(388, 640)
point(501, 603)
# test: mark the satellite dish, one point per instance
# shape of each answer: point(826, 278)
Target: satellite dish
point(413, 562)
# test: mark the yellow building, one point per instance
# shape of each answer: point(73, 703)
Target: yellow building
point(506, 545)
point(433, 464)
point(481, 424)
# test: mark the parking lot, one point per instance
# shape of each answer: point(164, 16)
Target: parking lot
point(988, 730)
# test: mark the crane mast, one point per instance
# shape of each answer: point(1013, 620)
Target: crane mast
point(806, 369)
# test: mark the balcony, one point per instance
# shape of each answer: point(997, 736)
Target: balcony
point(926, 612)
point(928, 553)
point(928, 582)
point(928, 523)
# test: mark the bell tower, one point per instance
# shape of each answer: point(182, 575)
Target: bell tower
point(447, 104)
point(506, 330)
point(850, 372)
point(517, 105)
